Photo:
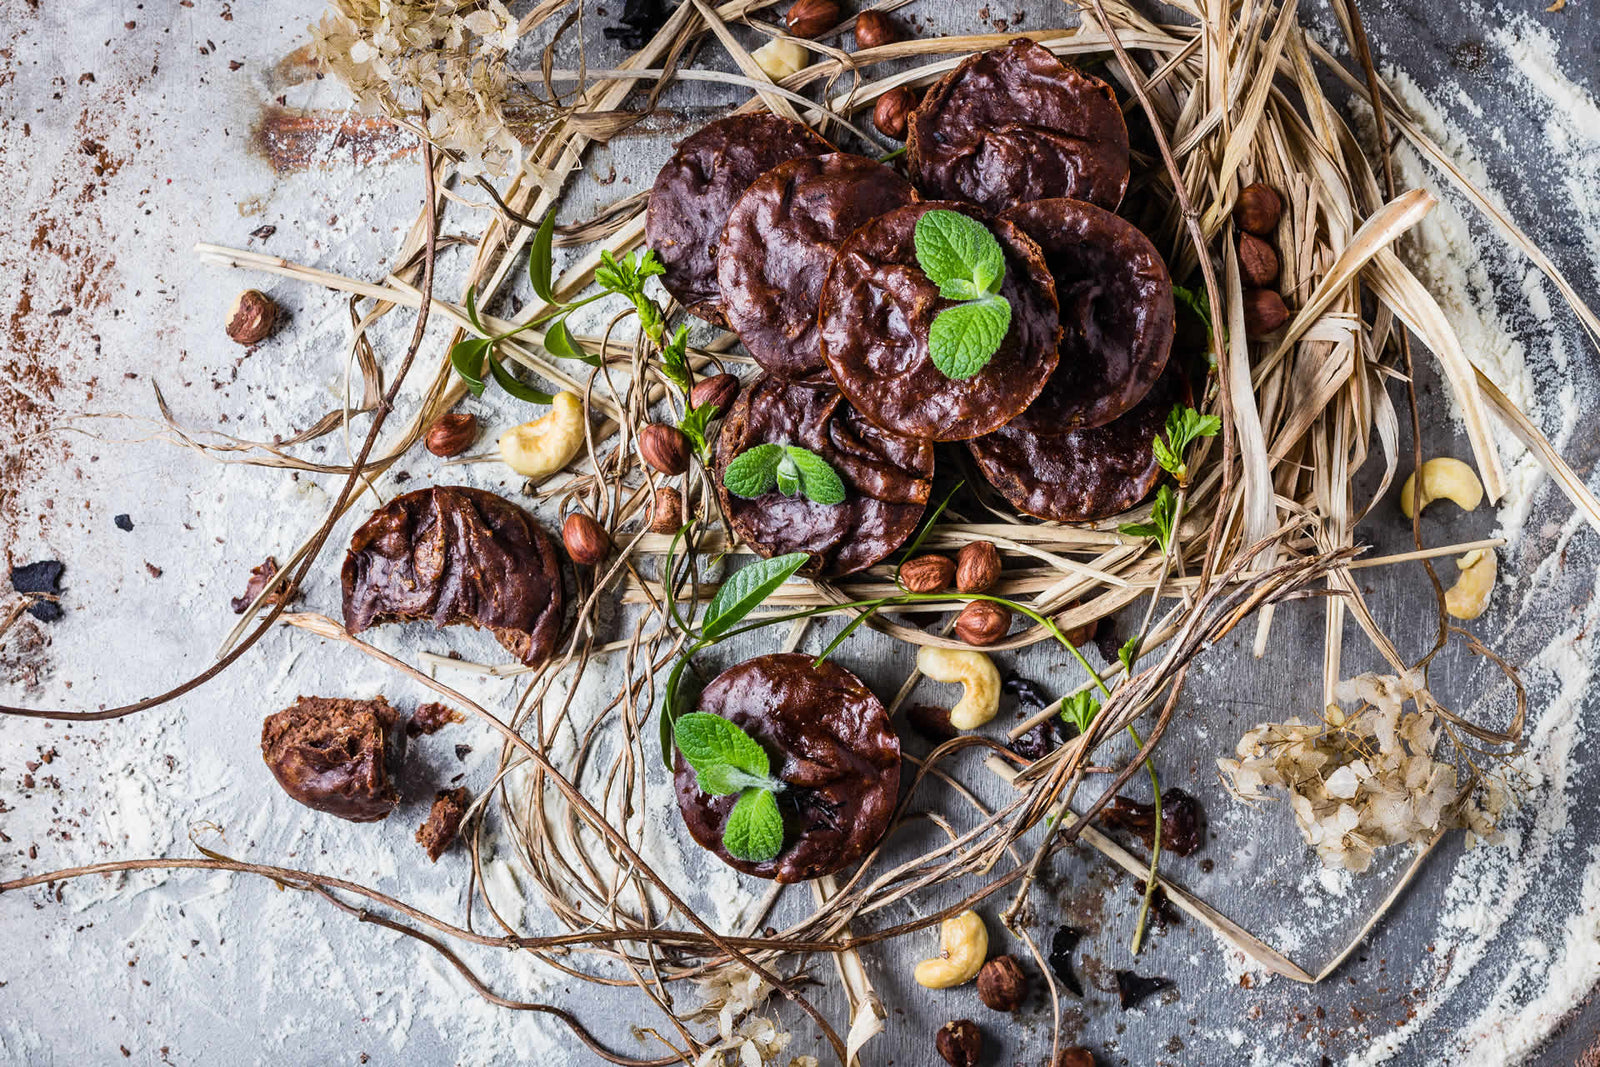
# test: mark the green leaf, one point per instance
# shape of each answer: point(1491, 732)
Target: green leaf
point(753, 471)
point(1160, 524)
point(1129, 652)
point(744, 590)
point(674, 355)
point(472, 309)
point(1079, 709)
point(696, 426)
point(539, 258)
point(649, 265)
point(559, 342)
point(965, 337)
point(467, 359)
point(1184, 425)
point(1196, 300)
point(515, 386)
point(959, 289)
point(755, 828)
point(1171, 462)
point(725, 758)
point(669, 712)
point(951, 245)
point(787, 476)
point(820, 482)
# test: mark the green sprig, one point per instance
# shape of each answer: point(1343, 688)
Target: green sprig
point(1160, 524)
point(961, 257)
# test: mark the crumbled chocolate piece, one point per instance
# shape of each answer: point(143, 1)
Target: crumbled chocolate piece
point(1061, 945)
point(438, 833)
point(931, 721)
point(1031, 695)
point(1131, 988)
point(123, 522)
point(44, 578)
point(1041, 740)
point(431, 718)
point(462, 751)
point(261, 576)
point(1182, 820)
point(335, 755)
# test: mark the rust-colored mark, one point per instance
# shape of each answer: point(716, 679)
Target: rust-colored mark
point(294, 140)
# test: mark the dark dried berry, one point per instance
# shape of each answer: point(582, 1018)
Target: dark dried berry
point(1182, 820)
point(1041, 740)
point(931, 721)
point(1031, 695)
point(43, 577)
point(1131, 988)
point(1061, 945)
point(124, 522)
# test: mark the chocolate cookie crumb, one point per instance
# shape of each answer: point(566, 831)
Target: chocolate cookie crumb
point(438, 833)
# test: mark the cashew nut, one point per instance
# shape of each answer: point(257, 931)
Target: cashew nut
point(780, 58)
point(539, 448)
point(1469, 597)
point(963, 944)
point(1442, 477)
point(980, 697)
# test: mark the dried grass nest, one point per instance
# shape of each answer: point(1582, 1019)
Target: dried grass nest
point(1231, 95)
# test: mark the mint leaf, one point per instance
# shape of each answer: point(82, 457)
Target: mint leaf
point(965, 337)
point(753, 471)
point(709, 741)
point(818, 481)
point(1160, 524)
point(721, 780)
point(743, 591)
point(755, 828)
point(674, 354)
point(787, 476)
point(1079, 709)
point(696, 426)
point(952, 245)
point(1129, 652)
point(959, 289)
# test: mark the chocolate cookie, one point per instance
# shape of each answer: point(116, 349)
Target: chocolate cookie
point(452, 554)
point(335, 755)
point(828, 739)
point(699, 185)
point(780, 241)
point(1083, 474)
point(1016, 124)
point(877, 308)
point(1116, 313)
point(886, 478)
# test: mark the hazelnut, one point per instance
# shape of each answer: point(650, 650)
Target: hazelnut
point(960, 1043)
point(1263, 312)
point(452, 434)
point(719, 391)
point(664, 447)
point(252, 316)
point(874, 29)
point(811, 18)
point(1003, 984)
point(977, 567)
point(1258, 263)
point(1077, 1056)
point(666, 510)
point(932, 721)
point(1258, 209)
point(586, 540)
point(983, 622)
point(927, 574)
point(893, 111)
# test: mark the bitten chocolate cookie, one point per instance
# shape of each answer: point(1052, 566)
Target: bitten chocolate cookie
point(780, 241)
point(1116, 313)
point(829, 741)
point(451, 554)
point(1015, 124)
point(699, 185)
point(1083, 474)
point(887, 478)
point(338, 756)
point(877, 309)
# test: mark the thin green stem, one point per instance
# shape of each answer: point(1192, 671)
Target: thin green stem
point(1155, 848)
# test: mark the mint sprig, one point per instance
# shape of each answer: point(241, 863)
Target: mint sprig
point(961, 257)
point(726, 760)
point(1184, 425)
point(1160, 524)
point(1079, 709)
point(790, 468)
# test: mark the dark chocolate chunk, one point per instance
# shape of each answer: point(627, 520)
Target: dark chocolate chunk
point(699, 185)
point(123, 522)
point(932, 721)
point(439, 832)
point(1131, 988)
point(451, 555)
point(261, 576)
point(828, 739)
point(780, 241)
point(1116, 313)
point(431, 718)
point(1061, 945)
point(1085, 474)
point(1031, 695)
point(1183, 821)
point(886, 478)
point(1015, 124)
point(877, 309)
point(335, 755)
point(43, 577)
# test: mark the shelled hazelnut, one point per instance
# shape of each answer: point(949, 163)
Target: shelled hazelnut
point(252, 317)
point(811, 18)
point(977, 567)
point(586, 540)
point(664, 447)
point(1258, 263)
point(452, 434)
point(928, 573)
point(959, 1043)
point(983, 622)
point(1003, 984)
point(875, 29)
point(666, 510)
point(1258, 209)
point(892, 114)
